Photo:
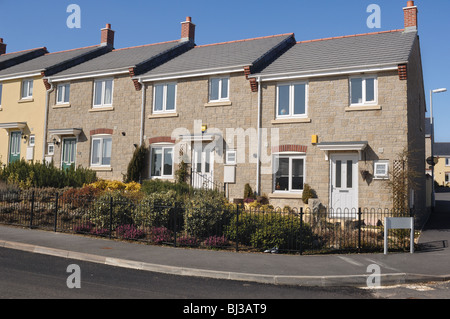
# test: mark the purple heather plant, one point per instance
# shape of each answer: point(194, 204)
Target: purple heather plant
point(160, 235)
point(216, 241)
point(129, 232)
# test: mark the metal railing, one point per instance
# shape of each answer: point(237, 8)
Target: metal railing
point(232, 227)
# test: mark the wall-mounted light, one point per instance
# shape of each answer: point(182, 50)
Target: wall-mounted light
point(55, 141)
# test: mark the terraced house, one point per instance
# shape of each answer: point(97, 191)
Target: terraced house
point(272, 112)
point(99, 124)
point(24, 98)
point(346, 108)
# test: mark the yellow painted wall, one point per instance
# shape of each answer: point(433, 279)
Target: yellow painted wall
point(439, 171)
point(32, 111)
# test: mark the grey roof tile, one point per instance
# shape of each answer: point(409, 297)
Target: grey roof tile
point(46, 61)
point(14, 58)
point(441, 149)
point(121, 58)
point(344, 52)
point(220, 55)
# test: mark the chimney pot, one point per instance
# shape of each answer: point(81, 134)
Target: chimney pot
point(107, 38)
point(188, 30)
point(2, 47)
point(410, 13)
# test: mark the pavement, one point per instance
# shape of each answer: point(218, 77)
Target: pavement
point(429, 264)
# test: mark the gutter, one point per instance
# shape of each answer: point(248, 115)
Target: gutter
point(258, 160)
point(144, 90)
point(47, 102)
point(329, 72)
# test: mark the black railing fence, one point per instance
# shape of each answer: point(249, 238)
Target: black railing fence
point(297, 231)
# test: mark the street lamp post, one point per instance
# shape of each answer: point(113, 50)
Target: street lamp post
point(433, 197)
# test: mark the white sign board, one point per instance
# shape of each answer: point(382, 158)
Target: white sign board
point(398, 223)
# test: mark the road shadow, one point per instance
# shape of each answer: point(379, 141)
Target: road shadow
point(436, 233)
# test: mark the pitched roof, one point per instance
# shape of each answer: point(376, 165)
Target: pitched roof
point(122, 59)
point(441, 149)
point(10, 59)
point(388, 47)
point(50, 60)
point(224, 55)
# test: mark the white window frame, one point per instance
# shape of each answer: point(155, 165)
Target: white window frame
point(162, 147)
point(219, 94)
point(61, 91)
point(101, 138)
point(26, 91)
point(164, 106)
point(364, 101)
point(447, 161)
point(378, 164)
point(290, 156)
point(291, 100)
point(1, 94)
point(103, 93)
point(447, 177)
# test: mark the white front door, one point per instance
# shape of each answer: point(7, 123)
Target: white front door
point(344, 185)
point(202, 166)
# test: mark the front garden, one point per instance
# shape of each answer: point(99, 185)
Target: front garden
point(164, 213)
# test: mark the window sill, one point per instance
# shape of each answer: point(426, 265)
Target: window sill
point(291, 120)
point(163, 115)
point(61, 106)
point(102, 109)
point(101, 168)
point(218, 103)
point(363, 108)
point(27, 100)
point(286, 195)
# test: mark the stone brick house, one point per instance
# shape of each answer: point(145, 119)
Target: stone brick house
point(345, 108)
point(98, 125)
point(23, 97)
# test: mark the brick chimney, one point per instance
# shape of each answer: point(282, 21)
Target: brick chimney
point(2, 47)
point(411, 12)
point(107, 36)
point(188, 30)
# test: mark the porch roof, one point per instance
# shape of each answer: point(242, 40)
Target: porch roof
point(357, 146)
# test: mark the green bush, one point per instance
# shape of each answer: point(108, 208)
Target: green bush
point(267, 230)
point(155, 209)
point(122, 210)
point(136, 165)
point(35, 174)
point(157, 186)
point(205, 213)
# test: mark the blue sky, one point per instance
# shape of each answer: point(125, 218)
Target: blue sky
point(29, 24)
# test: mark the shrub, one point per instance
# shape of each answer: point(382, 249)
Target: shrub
point(136, 165)
point(156, 186)
point(216, 241)
point(308, 193)
point(248, 192)
point(83, 228)
point(129, 232)
point(122, 210)
point(80, 197)
point(205, 213)
point(155, 210)
point(187, 240)
point(35, 174)
point(160, 235)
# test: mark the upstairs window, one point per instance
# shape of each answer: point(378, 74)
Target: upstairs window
point(63, 94)
point(291, 100)
point(103, 93)
point(27, 89)
point(363, 91)
point(164, 98)
point(219, 89)
point(1, 89)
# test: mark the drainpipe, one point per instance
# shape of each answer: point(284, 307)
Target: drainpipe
point(258, 161)
point(47, 101)
point(142, 111)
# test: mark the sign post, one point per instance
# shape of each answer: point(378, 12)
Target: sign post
point(398, 223)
